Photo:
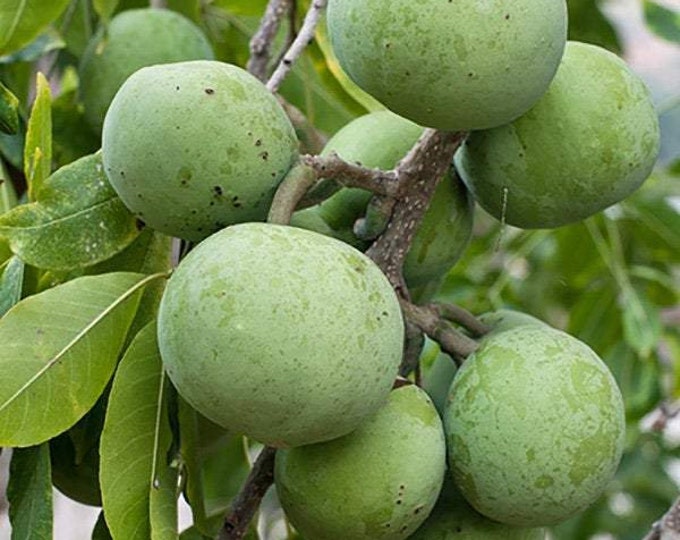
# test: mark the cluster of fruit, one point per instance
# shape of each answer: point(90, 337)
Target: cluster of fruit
point(294, 337)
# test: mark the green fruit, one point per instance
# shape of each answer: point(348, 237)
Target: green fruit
point(195, 146)
point(588, 143)
point(535, 426)
point(381, 140)
point(310, 219)
point(282, 334)
point(451, 65)
point(134, 39)
point(379, 482)
point(75, 476)
point(454, 519)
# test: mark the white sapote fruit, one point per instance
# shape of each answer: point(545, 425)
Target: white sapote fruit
point(192, 147)
point(535, 426)
point(279, 333)
point(454, 519)
point(134, 39)
point(450, 65)
point(380, 140)
point(589, 142)
point(377, 483)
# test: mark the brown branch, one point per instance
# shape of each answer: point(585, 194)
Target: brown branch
point(668, 526)
point(452, 342)
point(158, 4)
point(248, 500)
point(301, 41)
point(461, 316)
point(262, 40)
point(418, 175)
point(413, 346)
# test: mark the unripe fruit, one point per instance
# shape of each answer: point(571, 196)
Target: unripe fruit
point(134, 39)
point(381, 140)
point(588, 143)
point(281, 334)
point(535, 426)
point(451, 65)
point(379, 482)
point(454, 519)
point(195, 146)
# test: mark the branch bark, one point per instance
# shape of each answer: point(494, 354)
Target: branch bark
point(261, 42)
point(668, 527)
point(248, 500)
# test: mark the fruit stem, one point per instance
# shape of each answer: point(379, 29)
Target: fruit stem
point(461, 316)
point(248, 500)
point(292, 188)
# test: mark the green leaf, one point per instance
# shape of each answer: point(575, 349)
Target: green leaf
point(30, 493)
point(21, 21)
point(216, 465)
point(139, 487)
point(662, 21)
point(11, 283)
point(43, 44)
point(60, 348)
point(9, 111)
point(588, 24)
point(8, 197)
point(77, 220)
point(105, 8)
point(641, 323)
point(38, 148)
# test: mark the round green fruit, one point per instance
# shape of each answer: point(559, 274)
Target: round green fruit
point(281, 334)
point(535, 426)
point(454, 519)
point(134, 39)
point(379, 482)
point(381, 140)
point(195, 146)
point(451, 65)
point(588, 143)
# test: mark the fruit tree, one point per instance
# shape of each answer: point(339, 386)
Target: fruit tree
point(336, 270)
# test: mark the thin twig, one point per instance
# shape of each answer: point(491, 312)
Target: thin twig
point(248, 500)
point(301, 41)
point(461, 316)
point(262, 40)
point(668, 526)
point(158, 4)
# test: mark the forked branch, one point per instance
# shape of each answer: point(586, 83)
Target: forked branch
point(262, 40)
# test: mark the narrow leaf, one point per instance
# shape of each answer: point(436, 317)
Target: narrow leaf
point(662, 21)
point(8, 197)
point(38, 149)
point(9, 111)
point(641, 323)
point(59, 350)
point(30, 493)
point(105, 8)
point(11, 281)
point(21, 21)
point(139, 488)
point(76, 221)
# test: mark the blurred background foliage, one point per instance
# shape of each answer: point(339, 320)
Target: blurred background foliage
point(612, 281)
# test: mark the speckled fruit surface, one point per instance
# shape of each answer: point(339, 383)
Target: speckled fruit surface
point(381, 140)
point(134, 39)
point(192, 147)
point(535, 426)
point(454, 519)
point(588, 143)
point(282, 334)
point(377, 483)
point(450, 65)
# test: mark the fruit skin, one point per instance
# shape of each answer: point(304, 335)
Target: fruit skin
point(281, 334)
point(134, 39)
point(381, 140)
point(588, 143)
point(450, 65)
point(379, 482)
point(454, 519)
point(195, 146)
point(535, 426)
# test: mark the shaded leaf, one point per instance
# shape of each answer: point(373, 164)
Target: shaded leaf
point(101, 529)
point(105, 8)
point(641, 323)
point(77, 220)
point(139, 487)
point(9, 113)
point(588, 24)
point(60, 348)
point(216, 465)
point(8, 197)
point(43, 44)
point(663, 22)
point(38, 147)
point(29, 493)
point(11, 283)
point(21, 21)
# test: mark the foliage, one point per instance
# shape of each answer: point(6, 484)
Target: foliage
point(81, 281)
